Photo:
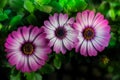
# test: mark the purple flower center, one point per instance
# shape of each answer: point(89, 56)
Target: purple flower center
point(28, 48)
point(88, 33)
point(60, 32)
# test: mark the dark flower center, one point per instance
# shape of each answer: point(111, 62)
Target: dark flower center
point(28, 48)
point(60, 32)
point(88, 33)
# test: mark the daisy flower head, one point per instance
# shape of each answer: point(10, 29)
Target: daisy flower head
point(27, 48)
point(60, 32)
point(94, 33)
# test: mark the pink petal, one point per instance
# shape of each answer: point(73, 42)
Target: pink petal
point(57, 46)
point(91, 49)
point(98, 18)
point(102, 41)
point(35, 31)
point(50, 33)
point(40, 40)
point(72, 35)
point(26, 33)
point(91, 17)
point(102, 23)
point(42, 53)
point(18, 36)
point(71, 21)
point(63, 49)
point(97, 46)
point(62, 19)
point(85, 18)
point(14, 57)
point(21, 62)
point(79, 20)
point(39, 61)
point(32, 63)
point(78, 27)
point(78, 44)
point(83, 49)
point(49, 25)
point(52, 41)
point(25, 67)
point(68, 44)
point(54, 20)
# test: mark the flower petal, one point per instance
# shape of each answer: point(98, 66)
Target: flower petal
point(49, 25)
point(62, 19)
point(57, 46)
point(83, 49)
point(54, 20)
point(91, 49)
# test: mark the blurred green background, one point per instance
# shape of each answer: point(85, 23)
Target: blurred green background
point(71, 66)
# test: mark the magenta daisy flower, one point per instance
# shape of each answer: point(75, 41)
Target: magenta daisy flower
point(27, 48)
point(94, 33)
point(60, 32)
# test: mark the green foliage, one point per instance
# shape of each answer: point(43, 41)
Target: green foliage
point(28, 5)
point(15, 21)
point(57, 61)
point(47, 69)
point(14, 13)
point(73, 5)
point(33, 76)
point(3, 15)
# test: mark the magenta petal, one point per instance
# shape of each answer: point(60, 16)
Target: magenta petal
point(52, 41)
point(71, 21)
point(78, 44)
point(32, 63)
point(90, 18)
point(91, 49)
point(48, 25)
point(68, 44)
point(85, 18)
point(98, 46)
point(53, 20)
point(57, 46)
point(83, 49)
point(25, 67)
point(63, 19)
point(26, 32)
point(14, 58)
point(98, 18)
point(35, 31)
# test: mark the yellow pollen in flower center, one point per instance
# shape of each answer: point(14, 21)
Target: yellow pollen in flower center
point(28, 48)
point(88, 33)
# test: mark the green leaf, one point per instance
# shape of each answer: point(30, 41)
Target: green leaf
point(3, 3)
point(46, 69)
point(110, 69)
point(32, 19)
point(42, 2)
point(28, 5)
point(15, 20)
point(15, 75)
point(33, 76)
point(38, 76)
point(56, 6)
point(45, 8)
point(3, 16)
point(73, 5)
point(16, 4)
point(112, 40)
point(57, 61)
point(112, 14)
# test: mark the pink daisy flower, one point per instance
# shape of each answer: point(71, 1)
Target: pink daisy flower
point(94, 33)
point(27, 48)
point(60, 32)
